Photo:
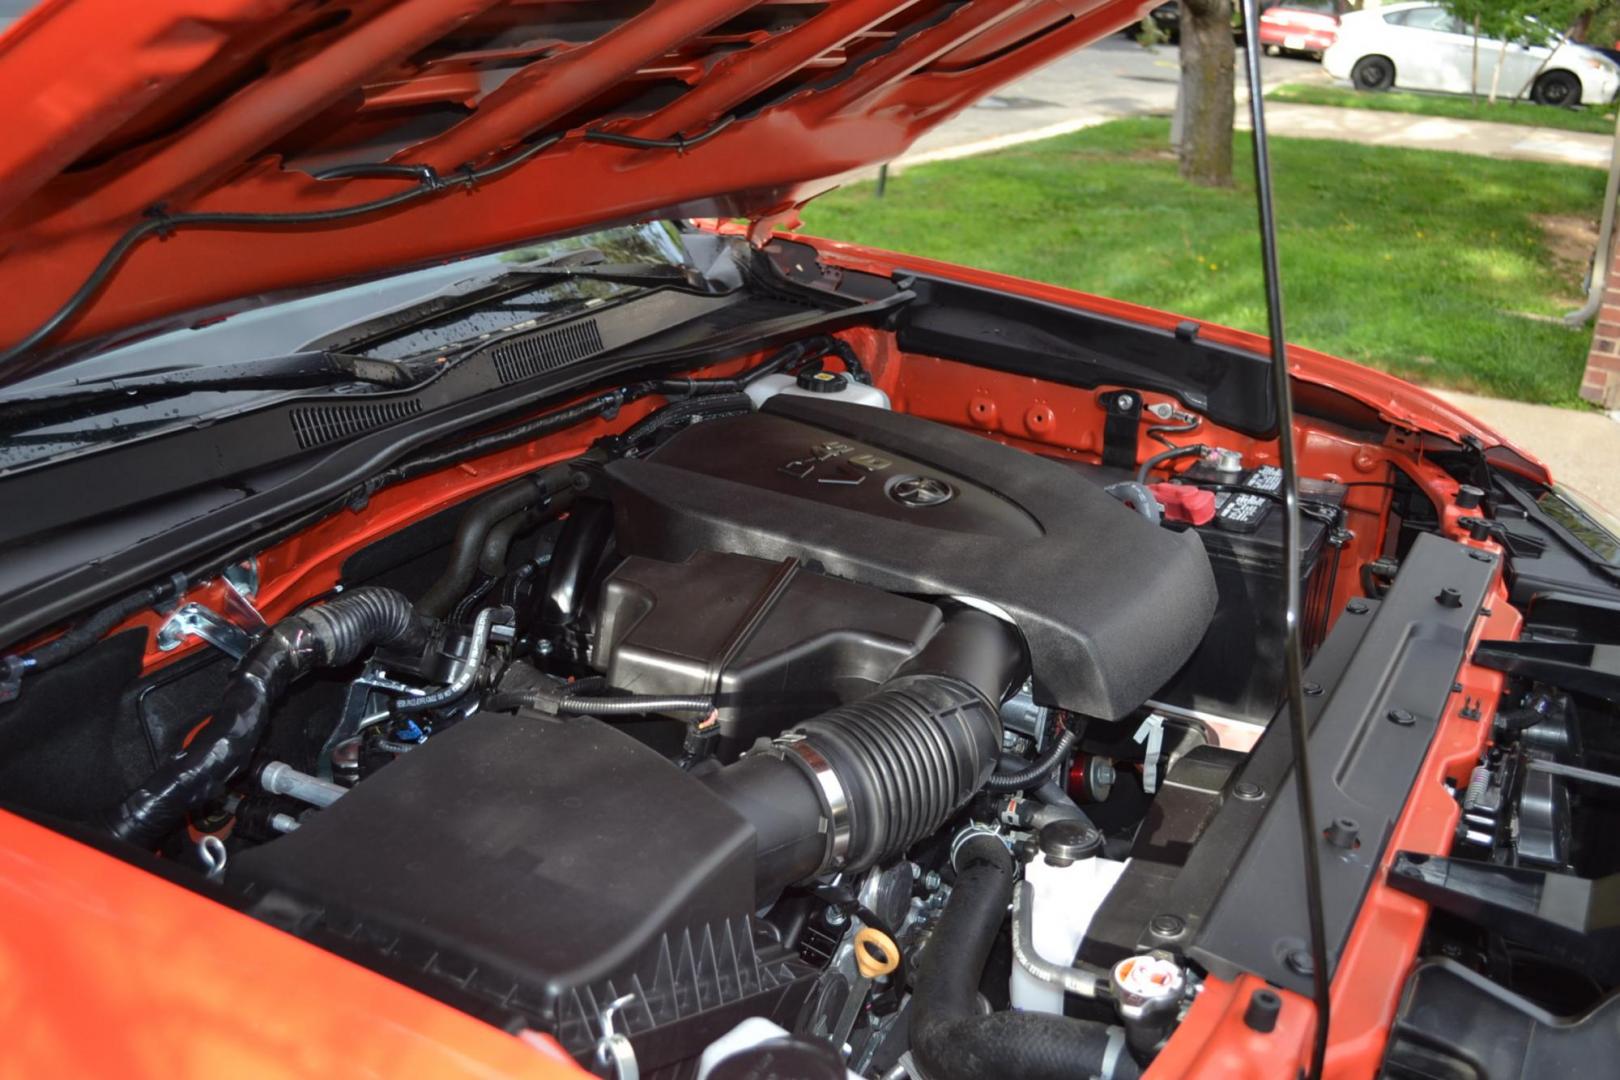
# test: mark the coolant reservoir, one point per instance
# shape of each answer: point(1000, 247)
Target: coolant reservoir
point(831, 385)
point(1069, 879)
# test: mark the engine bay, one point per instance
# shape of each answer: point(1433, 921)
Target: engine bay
point(822, 710)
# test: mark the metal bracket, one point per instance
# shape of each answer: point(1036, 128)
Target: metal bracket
point(231, 630)
point(1151, 735)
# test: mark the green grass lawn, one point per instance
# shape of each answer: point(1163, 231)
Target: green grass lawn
point(1598, 119)
point(1421, 263)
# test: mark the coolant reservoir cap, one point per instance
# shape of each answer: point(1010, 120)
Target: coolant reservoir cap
point(781, 1059)
point(1065, 842)
point(823, 382)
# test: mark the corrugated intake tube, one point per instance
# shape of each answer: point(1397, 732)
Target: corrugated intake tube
point(860, 784)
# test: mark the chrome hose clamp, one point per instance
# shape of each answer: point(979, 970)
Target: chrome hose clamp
point(834, 801)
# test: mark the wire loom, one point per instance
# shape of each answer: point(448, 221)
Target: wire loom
point(428, 182)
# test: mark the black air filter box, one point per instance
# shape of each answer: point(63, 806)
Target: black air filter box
point(1109, 604)
point(535, 868)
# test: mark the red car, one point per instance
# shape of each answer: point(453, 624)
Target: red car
point(481, 596)
point(1300, 26)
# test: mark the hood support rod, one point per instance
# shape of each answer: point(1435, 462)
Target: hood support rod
point(1293, 655)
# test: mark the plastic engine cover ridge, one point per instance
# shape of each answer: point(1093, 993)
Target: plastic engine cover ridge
point(1110, 605)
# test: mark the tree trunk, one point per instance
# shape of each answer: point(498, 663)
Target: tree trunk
point(1207, 63)
point(1473, 80)
point(1496, 76)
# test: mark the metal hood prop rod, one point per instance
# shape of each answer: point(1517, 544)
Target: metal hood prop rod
point(1293, 656)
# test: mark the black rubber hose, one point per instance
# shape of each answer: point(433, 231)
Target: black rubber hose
point(543, 488)
point(951, 1039)
point(686, 411)
point(492, 560)
point(1166, 455)
point(325, 635)
point(1038, 771)
point(852, 361)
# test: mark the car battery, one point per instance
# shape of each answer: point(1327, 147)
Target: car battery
point(1237, 671)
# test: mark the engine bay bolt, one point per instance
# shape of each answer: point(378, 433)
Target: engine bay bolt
point(1343, 833)
point(1167, 926)
point(834, 917)
point(931, 880)
point(1312, 689)
point(1480, 556)
point(1299, 962)
point(1401, 717)
point(1356, 607)
point(1449, 597)
point(1261, 1014)
point(1248, 791)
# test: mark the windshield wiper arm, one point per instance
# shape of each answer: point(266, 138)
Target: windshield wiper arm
point(297, 371)
point(473, 294)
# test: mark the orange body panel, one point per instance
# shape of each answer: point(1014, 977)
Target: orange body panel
point(109, 971)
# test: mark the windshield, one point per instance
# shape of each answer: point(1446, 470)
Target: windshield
point(1591, 526)
point(239, 360)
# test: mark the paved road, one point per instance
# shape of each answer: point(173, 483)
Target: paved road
point(1113, 78)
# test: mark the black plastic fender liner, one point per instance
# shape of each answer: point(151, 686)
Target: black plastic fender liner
point(1109, 605)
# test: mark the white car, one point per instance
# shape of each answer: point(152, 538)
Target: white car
point(1425, 47)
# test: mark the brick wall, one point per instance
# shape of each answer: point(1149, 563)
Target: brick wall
point(1601, 383)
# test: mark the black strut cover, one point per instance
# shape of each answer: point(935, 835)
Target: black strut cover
point(1109, 604)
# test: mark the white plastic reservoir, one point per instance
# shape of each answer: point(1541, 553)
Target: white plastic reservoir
point(827, 385)
point(1065, 900)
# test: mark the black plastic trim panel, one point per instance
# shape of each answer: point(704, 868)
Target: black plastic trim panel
point(1454, 1022)
point(1366, 748)
point(1185, 890)
point(998, 330)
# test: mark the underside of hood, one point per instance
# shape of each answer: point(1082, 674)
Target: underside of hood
point(473, 124)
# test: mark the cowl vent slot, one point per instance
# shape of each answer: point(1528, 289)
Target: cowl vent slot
point(536, 354)
point(328, 423)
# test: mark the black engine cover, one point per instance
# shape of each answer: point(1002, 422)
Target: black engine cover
point(1109, 604)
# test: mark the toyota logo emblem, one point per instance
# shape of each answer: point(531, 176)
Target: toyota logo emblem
point(920, 491)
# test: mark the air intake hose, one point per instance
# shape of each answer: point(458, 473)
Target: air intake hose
point(857, 786)
point(325, 635)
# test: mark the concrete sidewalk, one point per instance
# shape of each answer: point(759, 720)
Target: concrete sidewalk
point(1511, 141)
point(1115, 78)
point(1581, 448)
